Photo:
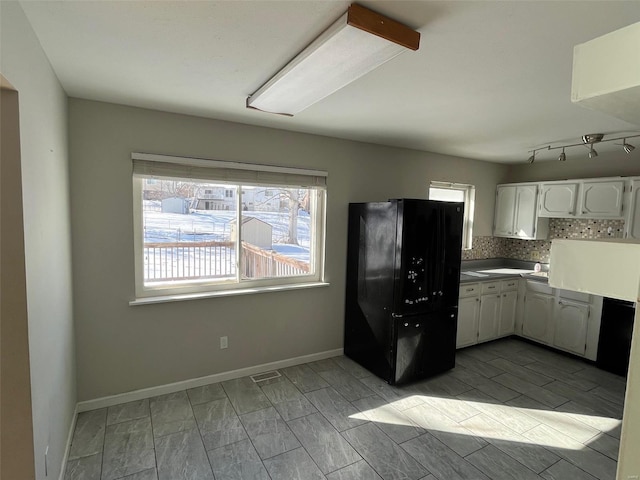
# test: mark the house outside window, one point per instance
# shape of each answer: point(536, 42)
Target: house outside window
point(457, 192)
point(185, 245)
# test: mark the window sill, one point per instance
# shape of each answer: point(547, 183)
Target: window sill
point(224, 293)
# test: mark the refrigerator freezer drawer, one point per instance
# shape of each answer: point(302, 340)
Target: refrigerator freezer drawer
point(425, 345)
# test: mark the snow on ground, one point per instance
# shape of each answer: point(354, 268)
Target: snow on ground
point(214, 225)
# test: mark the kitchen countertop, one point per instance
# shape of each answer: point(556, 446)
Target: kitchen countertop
point(500, 269)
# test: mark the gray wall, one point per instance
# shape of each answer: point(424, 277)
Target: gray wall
point(122, 348)
point(45, 188)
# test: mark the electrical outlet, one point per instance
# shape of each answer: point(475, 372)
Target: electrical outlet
point(535, 255)
point(224, 342)
point(632, 477)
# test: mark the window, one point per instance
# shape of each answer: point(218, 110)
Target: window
point(186, 244)
point(457, 192)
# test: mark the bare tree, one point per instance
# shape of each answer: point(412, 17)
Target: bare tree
point(293, 196)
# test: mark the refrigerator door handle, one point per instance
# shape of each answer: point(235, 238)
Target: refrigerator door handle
point(444, 253)
point(441, 242)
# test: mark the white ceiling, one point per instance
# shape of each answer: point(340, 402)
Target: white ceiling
point(490, 81)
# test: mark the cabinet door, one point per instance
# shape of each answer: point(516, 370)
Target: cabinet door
point(508, 304)
point(602, 199)
point(489, 317)
point(570, 320)
point(632, 225)
point(524, 225)
point(537, 317)
point(505, 209)
point(468, 309)
point(558, 200)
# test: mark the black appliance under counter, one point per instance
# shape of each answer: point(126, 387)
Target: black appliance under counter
point(403, 274)
point(616, 330)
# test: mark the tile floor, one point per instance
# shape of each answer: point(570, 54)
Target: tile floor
point(509, 410)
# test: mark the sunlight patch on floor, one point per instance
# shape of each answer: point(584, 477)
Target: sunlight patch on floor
point(547, 428)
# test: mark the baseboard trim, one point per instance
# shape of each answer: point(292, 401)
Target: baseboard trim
point(65, 457)
point(111, 400)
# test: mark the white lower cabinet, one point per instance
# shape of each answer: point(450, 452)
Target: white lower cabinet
point(489, 317)
point(566, 320)
point(562, 319)
point(508, 305)
point(486, 311)
point(536, 323)
point(571, 319)
point(468, 310)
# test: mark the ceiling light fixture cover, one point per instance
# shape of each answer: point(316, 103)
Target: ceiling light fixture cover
point(358, 42)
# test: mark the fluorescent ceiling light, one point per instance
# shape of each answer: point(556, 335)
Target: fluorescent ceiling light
point(355, 44)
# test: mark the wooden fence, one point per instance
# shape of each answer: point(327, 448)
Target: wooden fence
point(199, 260)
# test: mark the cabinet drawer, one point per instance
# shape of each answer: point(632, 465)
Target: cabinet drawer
point(490, 287)
point(469, 290)
point(539, 287)
point(577, 296)
point(509, 285)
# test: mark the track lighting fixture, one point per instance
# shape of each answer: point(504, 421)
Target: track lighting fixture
point(627, 147)
point(588, 141)
point(563, 156)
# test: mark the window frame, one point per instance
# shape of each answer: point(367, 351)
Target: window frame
point(469, 192)
point(212, 287)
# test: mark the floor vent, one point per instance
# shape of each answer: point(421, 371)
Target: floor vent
point(261, 377)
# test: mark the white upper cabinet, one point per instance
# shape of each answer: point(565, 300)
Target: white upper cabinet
point(558, 200)
point(516, 213)
point(601, 198)
point(632, 223)
point(524, 224)
point(580, 198)
point(505, 208)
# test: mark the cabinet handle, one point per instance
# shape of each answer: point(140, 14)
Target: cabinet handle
point(469, 289)
point(477, 299)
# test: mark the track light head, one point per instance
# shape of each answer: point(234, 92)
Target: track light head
point(532, 158)
point(628, 148)
point(563, 156)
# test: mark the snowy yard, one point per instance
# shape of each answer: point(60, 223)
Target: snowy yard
point(196, 256)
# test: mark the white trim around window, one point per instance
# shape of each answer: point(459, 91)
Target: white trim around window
point(187, 243)
point(458, 192)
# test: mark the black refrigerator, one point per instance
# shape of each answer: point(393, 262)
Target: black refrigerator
point(403, 276)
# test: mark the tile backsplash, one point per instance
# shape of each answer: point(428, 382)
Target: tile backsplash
point(539, 250)
point(484, 247)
